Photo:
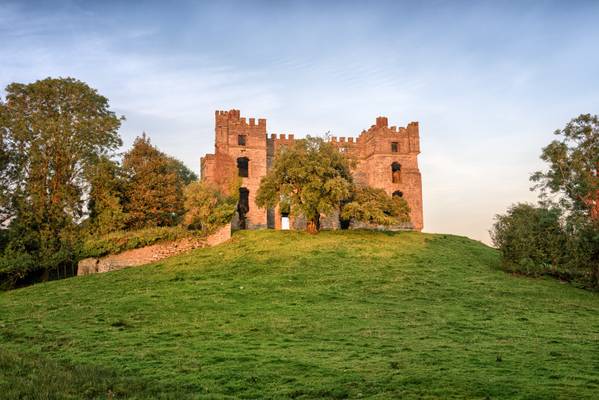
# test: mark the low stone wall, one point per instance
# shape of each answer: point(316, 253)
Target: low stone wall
point(149, 254)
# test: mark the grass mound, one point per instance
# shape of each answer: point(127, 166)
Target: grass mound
point(288, 315)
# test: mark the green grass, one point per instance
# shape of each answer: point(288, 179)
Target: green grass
point(287, 315)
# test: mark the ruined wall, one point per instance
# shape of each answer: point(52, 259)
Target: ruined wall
point(229, 126)
point(149, 254)
point(375, 150)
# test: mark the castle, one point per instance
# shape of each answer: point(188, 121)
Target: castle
point(387, 158)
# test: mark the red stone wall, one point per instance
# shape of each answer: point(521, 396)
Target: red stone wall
point(372, 151)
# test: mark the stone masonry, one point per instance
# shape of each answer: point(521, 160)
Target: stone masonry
point(387, 158)
point(152, 253)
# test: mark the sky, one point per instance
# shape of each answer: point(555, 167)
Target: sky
point(488, 82)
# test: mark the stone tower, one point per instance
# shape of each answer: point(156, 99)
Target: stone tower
point(387, 158)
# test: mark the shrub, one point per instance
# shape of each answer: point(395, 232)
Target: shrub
point(536, 240)
point(206, 208)
point(375, 206)
point(530, 238)
point(15, 268)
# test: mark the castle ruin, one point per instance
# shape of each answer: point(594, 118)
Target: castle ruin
point(387, 158)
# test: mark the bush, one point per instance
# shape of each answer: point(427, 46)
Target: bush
point(117, 242)
point(206, 208)
point(536, 240)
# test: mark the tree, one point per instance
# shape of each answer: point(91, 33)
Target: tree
point(375, 206)
point(311, 175)
point(106, 197)
point(54, 131)
point(155, 189)
point(530, 238)
point(561, 235)
point(185, 174)
point(206, 208)
point(573, 171)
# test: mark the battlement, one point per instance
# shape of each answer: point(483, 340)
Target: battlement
point(283, 137)
point(343, 140)
point(234, 116)
point(382, 124)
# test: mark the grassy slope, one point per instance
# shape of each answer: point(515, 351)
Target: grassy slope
point(283, 314)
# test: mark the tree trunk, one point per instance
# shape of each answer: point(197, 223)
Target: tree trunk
point(313, 225)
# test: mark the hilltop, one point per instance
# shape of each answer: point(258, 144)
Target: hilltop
point(273, 314)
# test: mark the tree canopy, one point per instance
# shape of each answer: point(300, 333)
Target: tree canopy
point(206, 208)
point(52, 133)
point(311, 176)
point(375, 206)
point(155, 187)
point(573, 171)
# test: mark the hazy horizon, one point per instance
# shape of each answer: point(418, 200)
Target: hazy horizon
point(488, 82)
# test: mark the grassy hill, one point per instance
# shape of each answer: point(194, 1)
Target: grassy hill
point(287, 315)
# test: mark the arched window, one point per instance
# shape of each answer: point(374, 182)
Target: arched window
point(243, 166)
point(396, 172)
point(398, 193)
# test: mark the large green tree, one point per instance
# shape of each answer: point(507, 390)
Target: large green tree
point(561, 235)
point(54, 131)
point(155, 188)
point(311, 176)
point(573, 173)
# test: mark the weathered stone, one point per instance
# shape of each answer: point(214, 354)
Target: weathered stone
point(149, 254)
point(87, 266)
point(376, 150)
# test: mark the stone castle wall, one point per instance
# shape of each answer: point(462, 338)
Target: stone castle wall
point(150, 254)
point(375, 150)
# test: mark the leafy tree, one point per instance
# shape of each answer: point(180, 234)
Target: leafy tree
point(206, 207)
point(311, 175)
point(573, 166)
point(185, 174)
point(375, 206)
point(106, 197)
point(561, 236)
point(155, 189)
point(531, 238)
point(53, 131)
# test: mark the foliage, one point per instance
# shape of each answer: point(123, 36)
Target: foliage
point(311, 176)
point(561, 236)
point(573, 166)
point(15, 268)
point(116, 242)
point(155, 189)
point(375, 206)
point(106, 197)
point(53, 132)
point(206, 208)
point(530, 238)
point(185, 174)
point(271, 314)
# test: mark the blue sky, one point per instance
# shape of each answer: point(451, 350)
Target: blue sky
point(488, 81)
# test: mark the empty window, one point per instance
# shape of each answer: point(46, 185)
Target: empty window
point(394, 147)
point(398, 193)
point(243, 206)
point(396, 172)
point(241, 140)
point(243, 166)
